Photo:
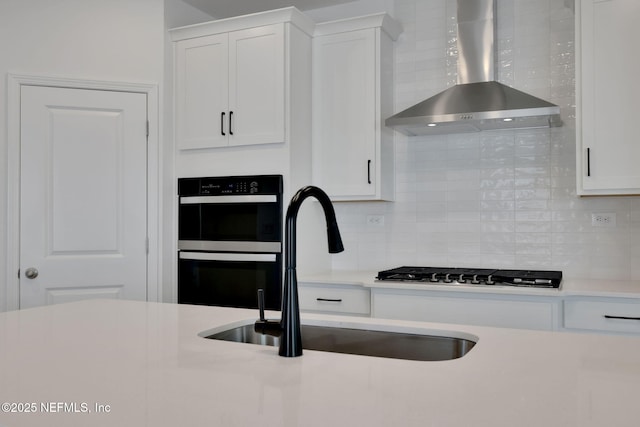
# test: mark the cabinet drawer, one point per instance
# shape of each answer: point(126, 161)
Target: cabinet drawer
point(603, 315)
point(335, 299)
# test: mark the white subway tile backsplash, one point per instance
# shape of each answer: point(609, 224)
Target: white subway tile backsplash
point(507, 195)
point(504, 199)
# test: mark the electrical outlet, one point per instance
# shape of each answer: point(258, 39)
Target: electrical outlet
point(603, 219)
point(375, 220)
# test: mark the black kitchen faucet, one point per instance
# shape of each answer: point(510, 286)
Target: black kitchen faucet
point(288, 328)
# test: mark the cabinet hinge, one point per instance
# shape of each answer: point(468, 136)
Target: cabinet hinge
point(146, 244)
point(147, 129)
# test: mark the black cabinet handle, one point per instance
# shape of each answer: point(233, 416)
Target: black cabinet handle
point(328, 300)
point(369, 171)
point(261, 303)
point(230, 128)
point(607, 316)
point(222, 124)
point(588, 161)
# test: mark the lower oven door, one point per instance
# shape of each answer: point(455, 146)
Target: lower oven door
point(229, 279)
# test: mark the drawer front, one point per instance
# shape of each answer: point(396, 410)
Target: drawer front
point(603, 315)
point(334, 299)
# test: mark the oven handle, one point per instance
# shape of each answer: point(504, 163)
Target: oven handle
point(215, 256)
point(243, 198)
point(230, 246)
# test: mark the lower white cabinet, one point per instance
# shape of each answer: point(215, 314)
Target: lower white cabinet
point(522, 312)
point(611, 315)
point(568, 313)
point(334, 298)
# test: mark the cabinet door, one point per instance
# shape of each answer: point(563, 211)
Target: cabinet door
point(256, 85)
point(201, 92)
point(497, 311)
point(344, 108)
point(608, 71)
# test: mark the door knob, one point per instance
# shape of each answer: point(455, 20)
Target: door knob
point(31, 273)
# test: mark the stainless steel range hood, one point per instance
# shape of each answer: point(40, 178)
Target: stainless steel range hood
point(477, 102)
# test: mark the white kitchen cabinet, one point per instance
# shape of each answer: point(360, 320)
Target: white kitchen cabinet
point(334, 298)
point(230, 88)
point(234, 79)
point(608, 315)
point(202, 75)
point(607, 94)
point(352, 95)
point(509, 311)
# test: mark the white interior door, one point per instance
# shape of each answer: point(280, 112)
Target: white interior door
point(83, 195)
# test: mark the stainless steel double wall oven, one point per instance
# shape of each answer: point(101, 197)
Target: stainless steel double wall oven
point(230, 240)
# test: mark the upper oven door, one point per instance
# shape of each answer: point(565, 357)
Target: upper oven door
point(240, 218)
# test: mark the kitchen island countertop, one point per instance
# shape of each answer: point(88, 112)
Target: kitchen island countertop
point(126, 363)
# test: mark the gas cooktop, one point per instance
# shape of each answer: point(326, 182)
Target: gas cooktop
point(473, 276)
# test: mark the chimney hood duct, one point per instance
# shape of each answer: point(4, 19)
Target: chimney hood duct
point(477, 102)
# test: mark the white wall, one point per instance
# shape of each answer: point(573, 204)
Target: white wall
point(495, 199)
point(178, 14)
point(117, 40)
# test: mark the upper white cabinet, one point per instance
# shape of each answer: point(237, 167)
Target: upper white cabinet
point(233, 79)
point(230, 88)
point(608, 140)
point(352, 94)
point(202, 75)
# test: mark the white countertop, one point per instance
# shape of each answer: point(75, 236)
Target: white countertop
point(569, 287)
point(148, 364)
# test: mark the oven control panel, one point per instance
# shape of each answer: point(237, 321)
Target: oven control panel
point(238, 187)
point(231, 185)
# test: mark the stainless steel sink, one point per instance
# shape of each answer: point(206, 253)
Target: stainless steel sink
point(365, 342)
